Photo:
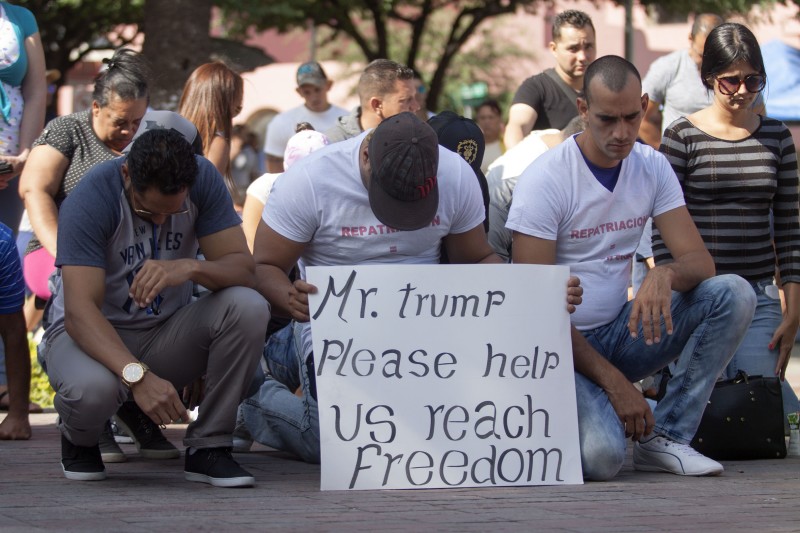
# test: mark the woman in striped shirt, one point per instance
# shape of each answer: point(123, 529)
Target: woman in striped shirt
point(738, 171)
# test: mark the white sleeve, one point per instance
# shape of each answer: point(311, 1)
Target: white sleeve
point(669, 194)
point(538, 204)
point(291, 210)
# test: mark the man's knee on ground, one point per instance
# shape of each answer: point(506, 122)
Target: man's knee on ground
point(602, 461)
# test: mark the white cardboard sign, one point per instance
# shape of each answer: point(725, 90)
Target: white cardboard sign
point(444, 376)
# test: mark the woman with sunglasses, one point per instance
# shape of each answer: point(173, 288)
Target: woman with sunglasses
point(738, 171)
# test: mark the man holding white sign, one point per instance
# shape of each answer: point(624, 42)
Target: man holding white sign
point(389, 196)
point(591, 218)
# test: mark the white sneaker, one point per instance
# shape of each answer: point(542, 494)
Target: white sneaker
point(661, 454)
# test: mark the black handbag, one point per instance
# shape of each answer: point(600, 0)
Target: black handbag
point(743, 420)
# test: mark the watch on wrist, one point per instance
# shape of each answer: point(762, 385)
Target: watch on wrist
point(133, 373)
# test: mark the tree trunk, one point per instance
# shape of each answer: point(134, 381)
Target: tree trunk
point(176, 42)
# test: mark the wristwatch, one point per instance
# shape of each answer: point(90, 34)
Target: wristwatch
point(133, 373)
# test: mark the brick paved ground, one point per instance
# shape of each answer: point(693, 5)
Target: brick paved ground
point(152, 495)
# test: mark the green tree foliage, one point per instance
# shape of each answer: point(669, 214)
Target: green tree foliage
point(70, 29)
point(374, 25)
point(399, 29)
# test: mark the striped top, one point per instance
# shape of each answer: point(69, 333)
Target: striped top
point(731, 187)
point(12, 287)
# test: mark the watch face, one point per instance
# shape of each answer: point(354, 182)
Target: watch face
point(133, 372)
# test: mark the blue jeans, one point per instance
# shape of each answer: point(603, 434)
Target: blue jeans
point(709, 322)
point(754, 355)
point(275, 416)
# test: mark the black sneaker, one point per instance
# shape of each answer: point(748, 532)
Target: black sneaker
point(120, 436)
point(81, 463)
point(216, 467)
point(151, 443)
point(109, 449)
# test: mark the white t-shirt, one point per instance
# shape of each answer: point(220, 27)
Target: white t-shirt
point(596, 231)
point(261, 186)
point(502, 178)
point(281, 128)
point(492, 151)
point(321, 200)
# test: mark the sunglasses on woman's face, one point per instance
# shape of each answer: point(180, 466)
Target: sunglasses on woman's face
point(754, 83)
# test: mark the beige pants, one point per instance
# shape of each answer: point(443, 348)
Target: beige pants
point(220, 336)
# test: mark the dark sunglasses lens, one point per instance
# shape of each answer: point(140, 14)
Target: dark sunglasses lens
point(728, 85)
point(754, 84)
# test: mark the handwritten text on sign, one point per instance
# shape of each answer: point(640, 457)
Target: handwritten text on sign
point(444, 376)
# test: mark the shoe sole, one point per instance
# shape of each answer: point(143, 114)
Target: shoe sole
point(653, 468)
point(123, 440)
point(83, 476)
point(113, 457)
point(232, 482)
point(148, 453)
point(159, 454)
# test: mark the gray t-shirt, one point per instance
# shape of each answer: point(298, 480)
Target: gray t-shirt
point(98, 228)
point(674, 82)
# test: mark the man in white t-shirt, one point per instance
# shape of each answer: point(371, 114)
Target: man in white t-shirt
point(313, 85)
point(391, 196)
point(583, 204)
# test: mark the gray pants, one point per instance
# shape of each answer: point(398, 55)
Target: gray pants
point(220, 336)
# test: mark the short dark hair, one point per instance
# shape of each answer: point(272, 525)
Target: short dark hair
point(576, 125)
point(126, 76)
point(613, 71)
point(571, 17)
point(727, 44)
point(704, 23)
point(379, 77)
point(492, 104)
point(164, 159)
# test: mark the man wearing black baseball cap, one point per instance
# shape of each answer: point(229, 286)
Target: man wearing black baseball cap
point(388, 196)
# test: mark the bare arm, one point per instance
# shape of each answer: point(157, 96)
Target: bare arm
point(251, 216)
point(219, 153)
point(470, 247)
point(784, 336)
point(275, 256)
point(650, 131)
point(34, 93)
point(84, 290)
point(39, 184)
point(692, 264)
point(521, 118)
point(227, 263)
